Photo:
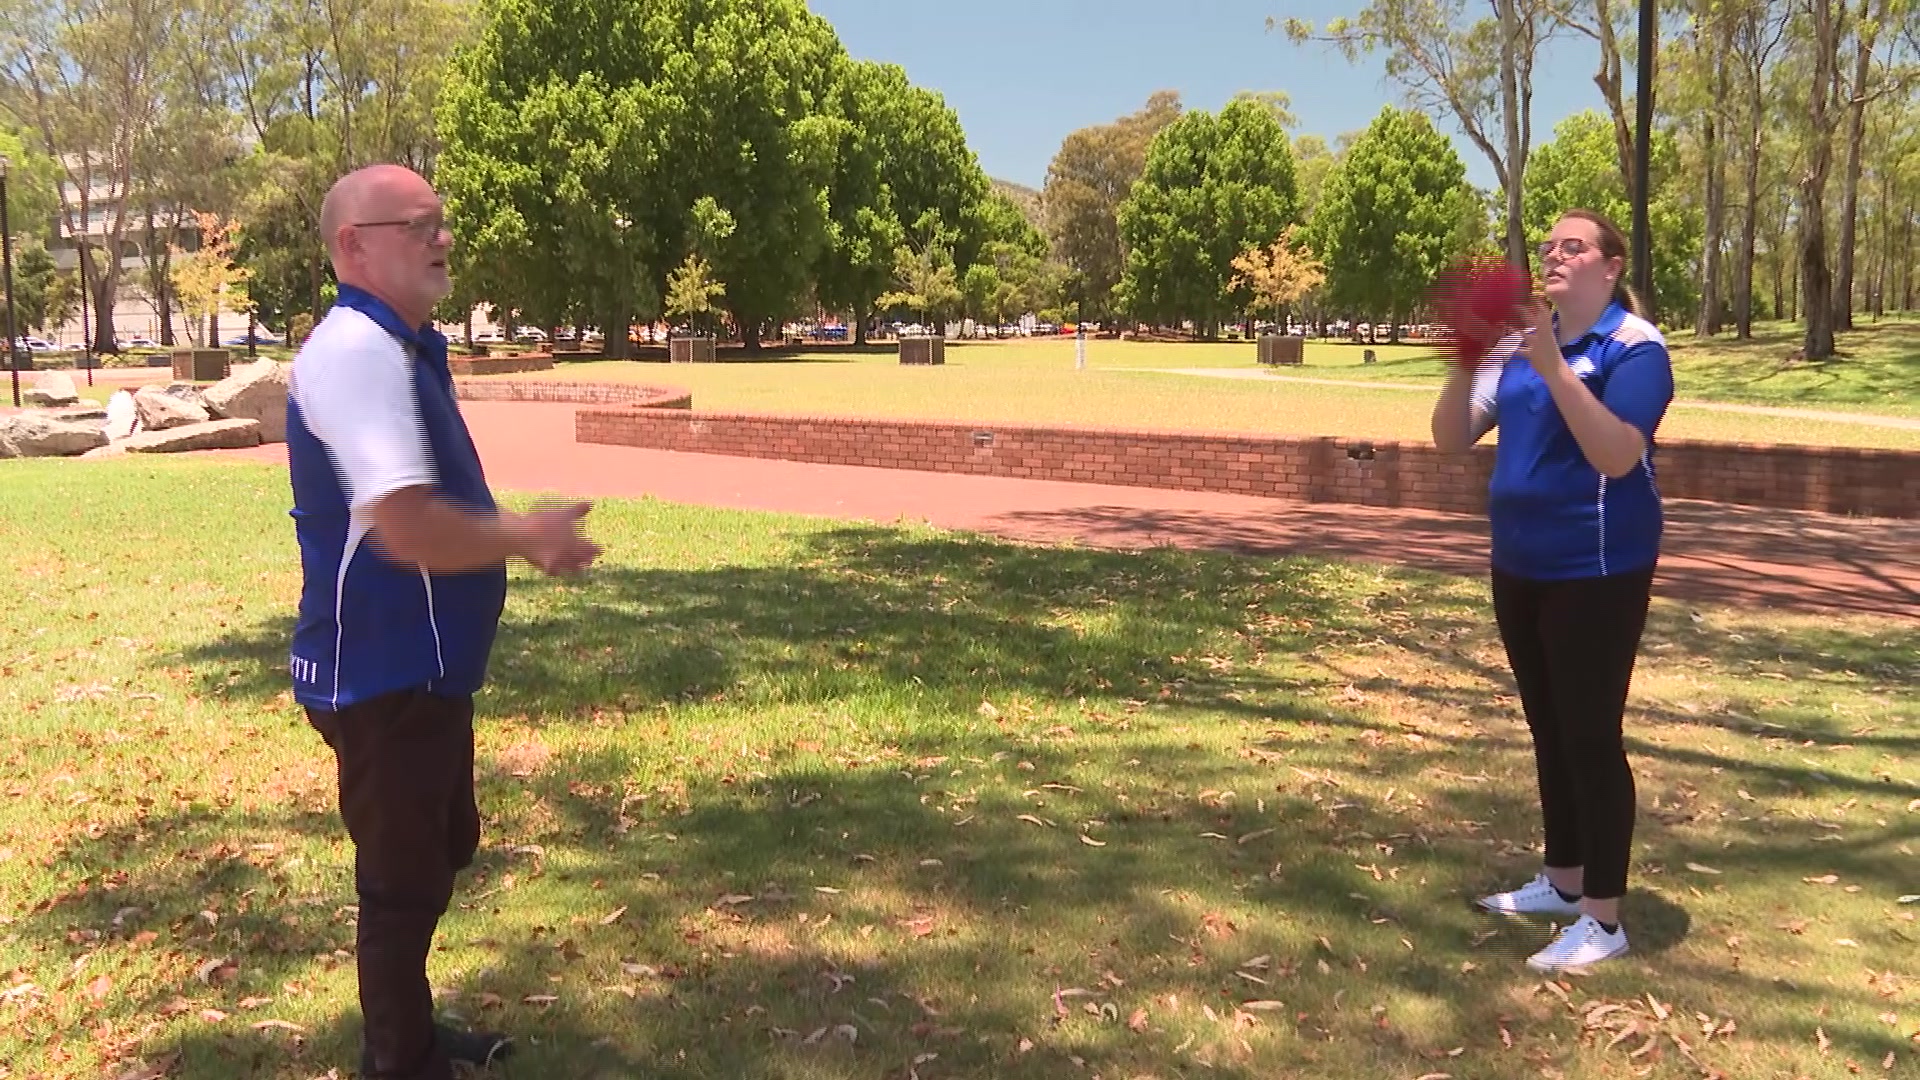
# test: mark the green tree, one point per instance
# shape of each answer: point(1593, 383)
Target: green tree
point(1579, 169)
point(1480, 72)
point(1215, 185)
point(1089, 178)
point(45, 296)
point(925, 284)
point(33, 186)
point(572, 163)
point(691, 294)
point(1390, 216)
point(901, 169)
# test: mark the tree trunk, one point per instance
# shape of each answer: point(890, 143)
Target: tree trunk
point(469, 326)
point(749, 335)
point(1906, 264)
point(1850, 180)
point(1750, 215)
point(1516, 148)
point(105, 285)
point(1816, 276)
point(861, 315)
point(1706, 321)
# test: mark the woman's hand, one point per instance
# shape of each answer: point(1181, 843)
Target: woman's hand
point(1542, 348)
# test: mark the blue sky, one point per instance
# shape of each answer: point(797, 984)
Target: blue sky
point(1024, 73)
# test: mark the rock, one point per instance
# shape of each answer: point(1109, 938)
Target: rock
point(40, 435)
point(158, 409)
point(53, 389)
point(75, 414)
point(123, 418)
point(256, 391)
point(107, 451)
point(208, 435)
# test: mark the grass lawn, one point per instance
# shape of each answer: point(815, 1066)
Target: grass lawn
point(779, 797)
point(1124, 386)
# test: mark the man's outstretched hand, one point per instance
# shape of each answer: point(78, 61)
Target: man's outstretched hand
point(553, 539)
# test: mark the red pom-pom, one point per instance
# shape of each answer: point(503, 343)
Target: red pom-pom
point(1477, 303)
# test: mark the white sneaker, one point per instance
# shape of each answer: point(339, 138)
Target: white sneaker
point(1536, 897)
point(1585, 942)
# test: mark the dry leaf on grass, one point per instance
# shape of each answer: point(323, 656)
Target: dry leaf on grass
point(613, 916)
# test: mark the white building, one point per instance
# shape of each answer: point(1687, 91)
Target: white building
point(135, 312)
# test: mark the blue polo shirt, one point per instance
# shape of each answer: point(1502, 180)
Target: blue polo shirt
point(1553, 515)
point(370, 411)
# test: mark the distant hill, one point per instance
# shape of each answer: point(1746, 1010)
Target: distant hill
point(1024, 197)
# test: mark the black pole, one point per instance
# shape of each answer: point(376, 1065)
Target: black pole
point(1642, 155)
point(6, 255)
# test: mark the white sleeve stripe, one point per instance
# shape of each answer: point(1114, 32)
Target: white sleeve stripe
point(354, 385)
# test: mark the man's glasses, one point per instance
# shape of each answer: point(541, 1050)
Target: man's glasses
point(1570, 248)
point(426, 228)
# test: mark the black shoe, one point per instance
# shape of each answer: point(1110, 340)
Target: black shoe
point(478, 1049)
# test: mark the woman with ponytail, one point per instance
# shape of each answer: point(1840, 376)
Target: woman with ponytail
point(1577, 394)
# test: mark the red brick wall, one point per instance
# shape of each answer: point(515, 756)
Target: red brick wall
point(1884, 483)
point(578, 393)
point(500, 365)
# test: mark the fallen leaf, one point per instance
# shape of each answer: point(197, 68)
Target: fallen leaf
point(96, 990)
point(538, 999)
point(847, 1032)
point(733, 900)
point(1255, 835)
point(1031, 820)
point(1847, 942)
point(1263, 1005)
point(1698, 869)
point(212, 1016)
point(285, 1025)
point(1820, 1036)
point(1138, 1021)
point(489, 1000)
point(1435, 1076)
point(1091, 842)
point(1026, 1045)
point(613, 916)
point(826, 889)
point(1824, 879)
point(255, 1002)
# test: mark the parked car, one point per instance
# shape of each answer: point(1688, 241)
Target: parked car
point(261, 336)
point(139, 341)
point(529, 333)
point(29, 343)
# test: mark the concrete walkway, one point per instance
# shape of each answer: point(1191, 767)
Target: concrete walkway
point(1715, 554)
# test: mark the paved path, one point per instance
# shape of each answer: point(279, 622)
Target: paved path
point(1715, 554)
point(1868, 419)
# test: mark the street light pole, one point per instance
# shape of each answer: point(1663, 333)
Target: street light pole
point(6, 256)
point(1642, 157)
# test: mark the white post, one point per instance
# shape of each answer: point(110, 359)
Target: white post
point(1080, 347)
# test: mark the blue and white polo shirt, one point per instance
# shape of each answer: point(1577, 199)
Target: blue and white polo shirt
point(1553, 515)
point(371, 411)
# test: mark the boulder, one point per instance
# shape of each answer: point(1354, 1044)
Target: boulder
point(110, 450)
point(40, 435)
point(159, 409)
point(76, 414)
point(123, 418)
point(256, 391)
point(207, 435)
point(51, 391)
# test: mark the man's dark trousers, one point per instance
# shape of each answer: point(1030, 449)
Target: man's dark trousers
point(406, 795)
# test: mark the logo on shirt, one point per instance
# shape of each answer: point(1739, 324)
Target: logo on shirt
point(1582, 366)
point(303, 670)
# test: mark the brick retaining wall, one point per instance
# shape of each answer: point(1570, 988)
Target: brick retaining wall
point(1880, 483)
point(577, 393)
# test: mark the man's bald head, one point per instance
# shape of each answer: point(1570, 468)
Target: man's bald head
point(369, 193)
point(385, 233)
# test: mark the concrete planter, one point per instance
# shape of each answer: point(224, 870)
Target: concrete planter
point(691, 350)
point(199, 365)
point(923, 350)
point(1278, 349)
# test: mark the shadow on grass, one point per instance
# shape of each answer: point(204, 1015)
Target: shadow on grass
point(943, 935)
